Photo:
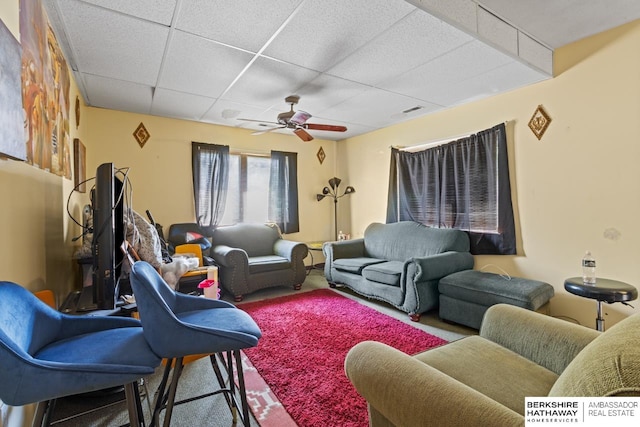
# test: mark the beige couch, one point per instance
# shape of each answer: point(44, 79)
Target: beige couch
point(518, 354)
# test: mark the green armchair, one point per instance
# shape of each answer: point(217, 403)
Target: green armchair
point(255, 256)
point(519, 353)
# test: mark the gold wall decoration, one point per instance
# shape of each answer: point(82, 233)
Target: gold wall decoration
point(321, 156)
point(77, 112)
point(539, 122)
point(141, 134)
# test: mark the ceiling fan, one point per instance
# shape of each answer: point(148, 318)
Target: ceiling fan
point(296, 120)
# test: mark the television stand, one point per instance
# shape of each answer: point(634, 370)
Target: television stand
point(81, 303)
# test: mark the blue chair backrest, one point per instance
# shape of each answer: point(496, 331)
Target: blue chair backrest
point(26, 323)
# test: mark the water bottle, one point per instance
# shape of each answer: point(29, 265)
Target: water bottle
point(589, 269)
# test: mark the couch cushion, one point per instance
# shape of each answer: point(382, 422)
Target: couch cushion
point(354, 265)
point(259, 264)
point(403, 240)
point(491, 369)
point(388, 272)
point(608, 366)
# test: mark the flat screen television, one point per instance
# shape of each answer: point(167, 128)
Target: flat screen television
point(108, 235)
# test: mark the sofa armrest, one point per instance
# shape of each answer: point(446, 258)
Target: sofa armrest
point(290, 249)
point(227, 256)
point(409, 393)
point(440, 265)
point(545, 340)
point(343, 249)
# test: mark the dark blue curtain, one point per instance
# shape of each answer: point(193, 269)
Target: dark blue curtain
point(210, 165)
point(283, 191)
point(463, 184)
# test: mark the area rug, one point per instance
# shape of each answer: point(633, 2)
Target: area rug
point(306, 337)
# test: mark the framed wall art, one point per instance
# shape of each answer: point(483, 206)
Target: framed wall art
point(12, 140)
point(79, 166)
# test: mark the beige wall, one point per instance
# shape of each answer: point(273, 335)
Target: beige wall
point(576, 189)
point(36, 230)
point(161, 171)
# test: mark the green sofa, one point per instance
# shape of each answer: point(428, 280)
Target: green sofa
point(399, 263)
point(483, 380)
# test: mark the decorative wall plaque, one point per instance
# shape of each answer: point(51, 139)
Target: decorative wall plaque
point(539, 122)
point(321, 156)
point(80, 165)
point(141, 135)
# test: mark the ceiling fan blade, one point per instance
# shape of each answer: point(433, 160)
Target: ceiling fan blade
point(258, 121)
point(303, 134)
point(318, 126)
point(300, 117)
point(260, 132)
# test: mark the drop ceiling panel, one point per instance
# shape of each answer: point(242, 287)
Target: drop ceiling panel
point(326, 91)
point(414, 40)
point(268, 82)
point(160, 11)
point(200, 66)
point(557, 23)
point(117, 95)
point(228, 112)
point(429, 81)
point(114, 45)
point(382, 108)
point(169, 103)
point(247, 24)
point(493, 82)
point(326, 31)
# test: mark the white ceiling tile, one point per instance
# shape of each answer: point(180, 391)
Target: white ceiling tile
point(117, 95)
point(199, 66)
point(497, 31)
point(113, 45)
point(247, 24)
point(229, 112)
point(498, 80)
point(435, 76)
point(160, 11)
point(181, 105)
point(268, 82)
point(535, 53)
point(326, 31)
point(326, 91)
point(382, 108)
point(414, 40)
point(463, 13)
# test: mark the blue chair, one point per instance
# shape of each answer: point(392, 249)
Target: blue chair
point(45, 354)
point(177, 325)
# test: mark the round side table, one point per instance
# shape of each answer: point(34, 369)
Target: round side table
point(314, 246)
point(606, 290)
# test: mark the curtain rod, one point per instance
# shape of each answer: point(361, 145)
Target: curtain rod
point(430, 144)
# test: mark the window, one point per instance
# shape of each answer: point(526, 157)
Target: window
point(248, 191)
point(463, 184)
point(240, 187)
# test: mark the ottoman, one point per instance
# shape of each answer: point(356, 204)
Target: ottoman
point(466, 295)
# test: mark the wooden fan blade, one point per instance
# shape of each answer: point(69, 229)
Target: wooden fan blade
point(260, 132)
point(318, 126)
point(303, 134)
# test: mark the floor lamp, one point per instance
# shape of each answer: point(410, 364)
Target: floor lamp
point(332, 191)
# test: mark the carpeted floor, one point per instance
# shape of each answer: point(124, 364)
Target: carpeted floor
point(198, 375)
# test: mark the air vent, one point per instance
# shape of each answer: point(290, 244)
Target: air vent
point(411, 110)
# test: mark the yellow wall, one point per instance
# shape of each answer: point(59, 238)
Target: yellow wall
point(36, 231)
point(160, 172)
point(573, 190)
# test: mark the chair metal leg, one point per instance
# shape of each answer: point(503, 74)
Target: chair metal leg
point(160, 398)
point(241, 386)
point(42, 417)
point(134, 406)
point(171, 398)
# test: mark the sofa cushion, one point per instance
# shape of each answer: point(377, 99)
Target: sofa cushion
point(388, 272)
point(354, 265)
point(259, 264)
point(608, 366)
point(401, 241)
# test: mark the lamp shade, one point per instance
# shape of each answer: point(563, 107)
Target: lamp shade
point(334, 182)
point(349, 190)
point(319, 197)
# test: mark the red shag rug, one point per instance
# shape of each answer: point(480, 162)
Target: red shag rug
point(306, 337)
